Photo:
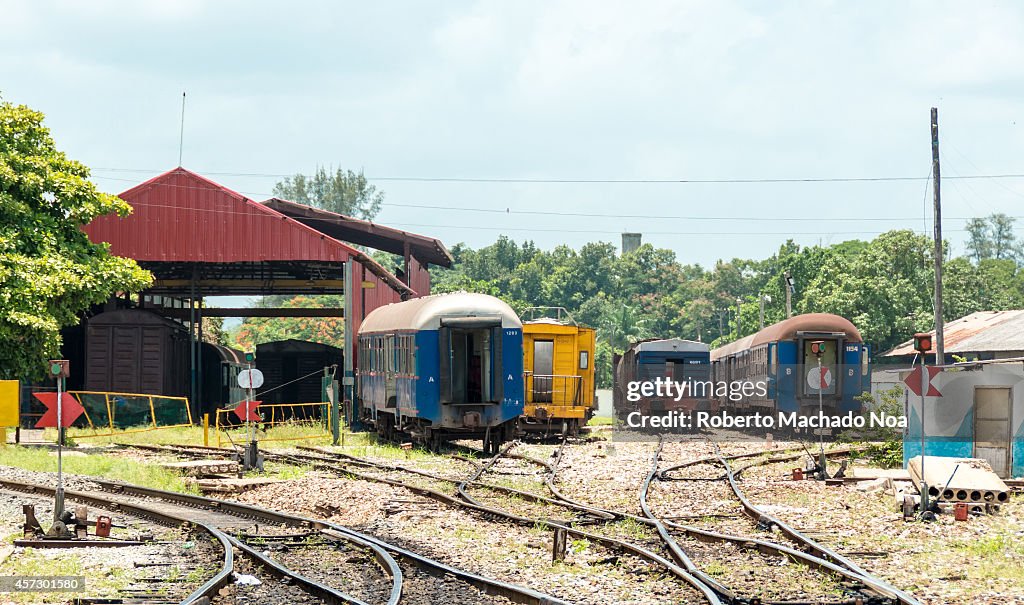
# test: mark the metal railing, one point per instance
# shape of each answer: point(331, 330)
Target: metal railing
point(277, 421)
point(555, 389)
point(122, 413)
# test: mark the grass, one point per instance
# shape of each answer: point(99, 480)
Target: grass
point(281, 435)
point(601, 421)
point(95, 465)
point(32, 562)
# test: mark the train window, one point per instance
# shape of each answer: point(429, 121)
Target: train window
point(584, 360)
point(864, 360)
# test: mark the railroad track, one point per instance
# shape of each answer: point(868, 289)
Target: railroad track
point(850, 579)
point(446, 491)
point(228, 522)
point(864, 588)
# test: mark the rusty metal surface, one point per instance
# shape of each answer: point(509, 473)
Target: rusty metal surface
point(365, 233)
point(981, 331)
point(184, 217)
point(28, 543)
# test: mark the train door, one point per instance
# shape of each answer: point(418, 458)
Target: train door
point(992, 427)
point(471, 348)
point(827, 378)
point(543, 369)
point(390, 365)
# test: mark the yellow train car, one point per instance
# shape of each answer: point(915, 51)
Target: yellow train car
point(558, 365)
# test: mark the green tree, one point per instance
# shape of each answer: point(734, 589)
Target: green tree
point(343, 191)
point(49, 270)
point(992, 238)
point(325, 330)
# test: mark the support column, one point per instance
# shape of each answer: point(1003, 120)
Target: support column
point(348, 377)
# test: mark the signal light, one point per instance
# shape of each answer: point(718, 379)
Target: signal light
point(818, 347)
point(250, 357)
point(923, 342)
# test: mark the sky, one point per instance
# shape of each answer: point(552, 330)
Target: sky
point(555, 90)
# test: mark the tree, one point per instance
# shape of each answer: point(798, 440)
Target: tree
point(345, 192)
point(325, 330)
point(992, 237)
point(49, 270)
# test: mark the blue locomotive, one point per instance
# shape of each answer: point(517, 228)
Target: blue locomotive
point(442, 367)
point(782, 357)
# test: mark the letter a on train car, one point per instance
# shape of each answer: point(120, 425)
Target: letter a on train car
point(71, 410)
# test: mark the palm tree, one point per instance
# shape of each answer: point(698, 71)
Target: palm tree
point(622, 326)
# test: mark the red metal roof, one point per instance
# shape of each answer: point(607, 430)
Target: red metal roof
point(182, 216)
point(979, 332)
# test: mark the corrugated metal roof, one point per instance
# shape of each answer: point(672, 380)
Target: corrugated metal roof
point(977, 332)
point(184, 217)
point(366, 233)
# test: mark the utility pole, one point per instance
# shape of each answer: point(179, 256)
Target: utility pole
point(789, 295)
point(940, 351)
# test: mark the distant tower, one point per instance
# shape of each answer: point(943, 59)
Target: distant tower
point(630, 242)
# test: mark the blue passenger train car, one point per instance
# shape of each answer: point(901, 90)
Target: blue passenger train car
point(442, 367)
point(780, 356)
point(675, 359)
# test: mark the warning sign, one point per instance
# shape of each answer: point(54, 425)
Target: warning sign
point(819, 379)
point(9, 402)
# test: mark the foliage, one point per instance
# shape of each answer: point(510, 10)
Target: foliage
point(325, 330)
point(884, 445)
point(49, 270)
point(343, 191)
point(992, 238)
point(884, 286)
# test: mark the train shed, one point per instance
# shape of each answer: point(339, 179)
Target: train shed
point(200, 239)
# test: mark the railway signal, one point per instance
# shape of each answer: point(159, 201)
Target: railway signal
point(923, 344)
point(818, 349)
point(250, 379)
point(59, 369)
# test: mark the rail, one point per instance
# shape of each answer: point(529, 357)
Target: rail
point(515, 593)
point(208, 589)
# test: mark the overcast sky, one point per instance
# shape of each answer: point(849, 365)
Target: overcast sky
point(550, 89)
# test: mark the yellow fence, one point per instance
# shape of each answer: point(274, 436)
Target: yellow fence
point(120, 413)
point(279, 422)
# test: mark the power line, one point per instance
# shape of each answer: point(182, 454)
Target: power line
point(509, 211)
point(555, 180)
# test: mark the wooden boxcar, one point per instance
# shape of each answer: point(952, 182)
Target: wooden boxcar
point(293, 370)
point(136, 351)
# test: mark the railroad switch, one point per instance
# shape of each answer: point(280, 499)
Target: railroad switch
point(31, 528)
point(251, 458)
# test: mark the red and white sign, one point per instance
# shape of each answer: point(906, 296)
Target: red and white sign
point(913, 381)
point(819, 379)
point(70, 410)
point(246, 411)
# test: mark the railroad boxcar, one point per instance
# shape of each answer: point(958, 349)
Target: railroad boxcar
point(675, 359)
point(293, 370)
point(442, 367)
point(136, 351)
point(558, 355)
point(781, 357)
point(221, 366)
